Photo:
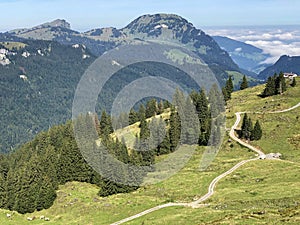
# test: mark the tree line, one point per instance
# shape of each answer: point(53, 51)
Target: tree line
point(30, 176)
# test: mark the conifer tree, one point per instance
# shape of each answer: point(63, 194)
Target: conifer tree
point(133, 117)
point(106, 127)
point(280, 84)
point(227, 89)
point(174, 130)
point(244, 83)
point(227, 96)
point(294, 83)
point(160, 107)
point(46, 194)
point(3, 191)
point(270, 88)
point(247, 127)
point(257, 132)
point(229, 85)
point(151, 108)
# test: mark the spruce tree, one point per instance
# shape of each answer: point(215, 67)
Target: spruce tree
point(160, 107)
point(133, 117)
point(46, 194)
point(244, 83)
point(151, 108)
point(229, 85)
point(226, 95)
point(106, 127)
point(174, 130)
point(294, 83)
point(257, 132)
point(247, 127)
point(280, 84)
point(270, 88)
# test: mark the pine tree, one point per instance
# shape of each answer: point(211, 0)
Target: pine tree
point(247, 127)
point(151, 108)
point(280, 84)
point(3, 191)
point(133, 117)
point(174, 130)
point(106, 127)
point(46, 194)
point(294, 83)
point(257, 132)
point(160, 107)
point(142, 112)
point(144, 146)
point(229, 85)
point(225, 93)
point(244, 83)
point(216, 101)
point(270, 88)
point(189, 123)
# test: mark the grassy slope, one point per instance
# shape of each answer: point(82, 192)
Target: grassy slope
point(10, 45)
point(269, 188)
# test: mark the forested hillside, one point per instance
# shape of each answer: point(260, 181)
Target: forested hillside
point(29, 177)
point(37, 87)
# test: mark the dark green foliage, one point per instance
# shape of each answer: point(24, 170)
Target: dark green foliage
point(216, 101)
point(227, 96)
point(133, 117)
point(174, 131)
point(248, 131)
point(244, 83)
point(151, 108)
point(294, 83)
point(229, 85)
point(275, 85)
point(270, 88)
point(257, 132)
point(227, 89)
point(46, 98)
point(46, 194)
point(247, 127)
point(106, 127)
point(30, 176)
point(280, 84)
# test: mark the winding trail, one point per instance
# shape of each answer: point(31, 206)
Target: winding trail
point(196, 203)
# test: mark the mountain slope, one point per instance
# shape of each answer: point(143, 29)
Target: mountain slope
point(284, 64)
point(251, 195)
point(248, 57)
point(37, 85)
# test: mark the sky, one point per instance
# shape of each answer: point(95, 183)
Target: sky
point(87, 14)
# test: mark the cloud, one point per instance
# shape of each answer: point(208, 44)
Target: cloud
point(274, 41)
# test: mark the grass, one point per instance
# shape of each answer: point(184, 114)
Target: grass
point(260, 192)
point(78, 203)
point(238, 77)
point(10, 45)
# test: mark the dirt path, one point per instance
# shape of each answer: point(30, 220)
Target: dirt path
point(196, 203)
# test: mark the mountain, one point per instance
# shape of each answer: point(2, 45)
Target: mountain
point(37, 84)
point(40, 68)
point(284, 64)
point(247, 57)
point(158, 27)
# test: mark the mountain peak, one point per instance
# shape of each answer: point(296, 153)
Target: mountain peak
point(155, 22)
point(56, 23)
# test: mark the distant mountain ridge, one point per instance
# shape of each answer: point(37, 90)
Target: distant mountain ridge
point(284, 64)
point(248, 57)
point(158, 27)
